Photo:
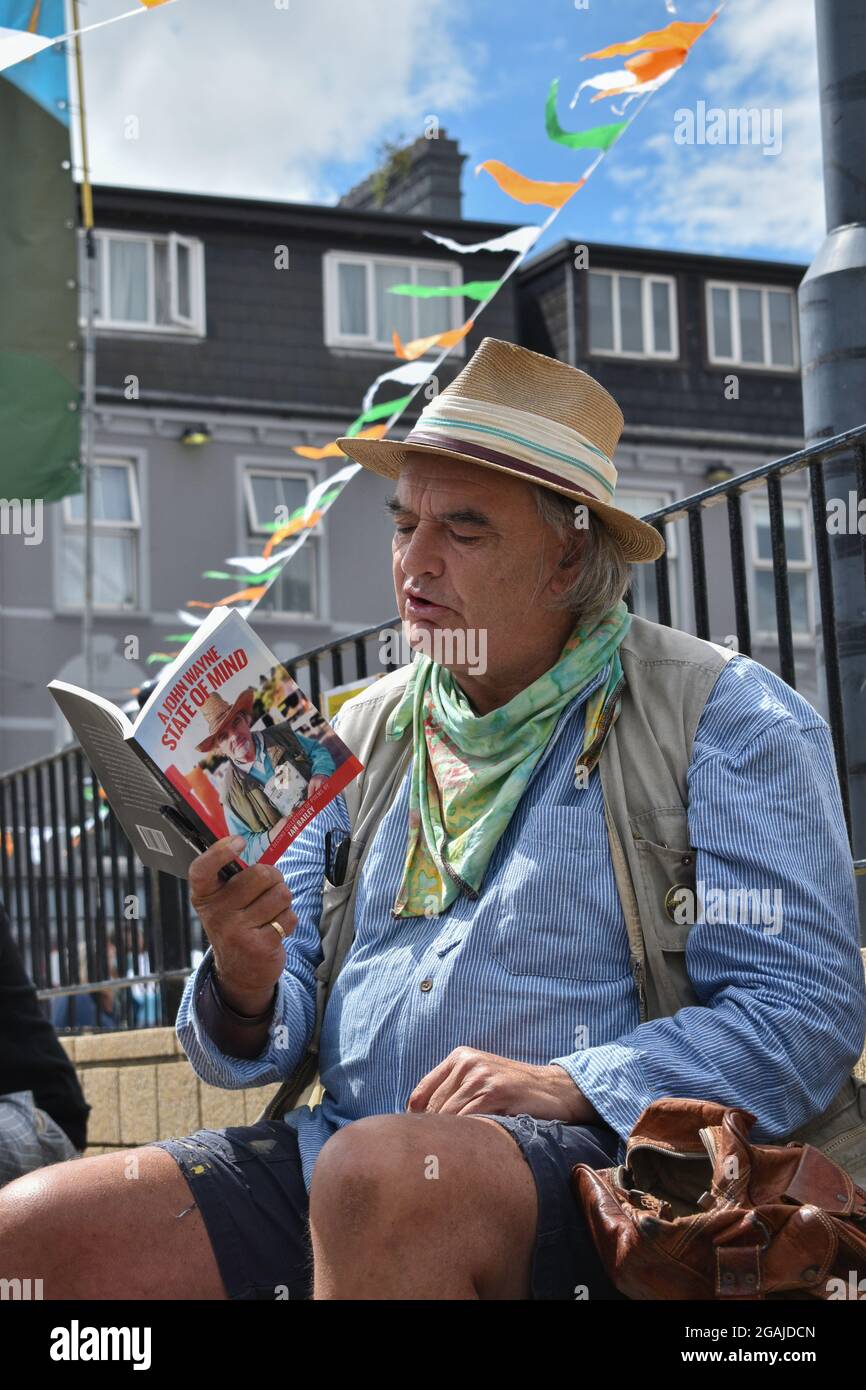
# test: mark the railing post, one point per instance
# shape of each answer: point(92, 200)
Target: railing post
point(169, 942)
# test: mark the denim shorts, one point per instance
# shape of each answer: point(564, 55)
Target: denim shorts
point(248, 1185)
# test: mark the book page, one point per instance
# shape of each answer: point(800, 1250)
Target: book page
point(134, 794)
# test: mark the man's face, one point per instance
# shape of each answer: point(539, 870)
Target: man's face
point(471, 555)
point(236, 740)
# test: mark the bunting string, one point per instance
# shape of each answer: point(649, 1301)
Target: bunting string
point(16, 45)
point(652, 59)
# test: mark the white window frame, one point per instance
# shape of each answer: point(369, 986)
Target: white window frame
point(410, 265)
point(193, 324)
point(110, 528)
point(251, 468)
point(764, 636)
point(647, 281)
point(175, 242)
point(736, 359)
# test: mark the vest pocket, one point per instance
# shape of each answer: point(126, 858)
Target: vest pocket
point(669, 882)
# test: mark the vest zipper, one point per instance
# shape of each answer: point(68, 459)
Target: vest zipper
point(640, 980)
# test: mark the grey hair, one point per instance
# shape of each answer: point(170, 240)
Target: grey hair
point(604, 573)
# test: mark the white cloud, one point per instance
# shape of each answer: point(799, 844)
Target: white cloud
point(727, 198)
point(253, 100)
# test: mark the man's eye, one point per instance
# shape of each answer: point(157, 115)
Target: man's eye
point(461, 540)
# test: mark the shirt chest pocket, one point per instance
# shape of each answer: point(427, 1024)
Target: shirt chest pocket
point(558, 910)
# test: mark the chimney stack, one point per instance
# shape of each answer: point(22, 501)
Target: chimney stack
point(417, 180)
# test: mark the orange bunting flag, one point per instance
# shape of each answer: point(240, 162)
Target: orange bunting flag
point(676, 35)
point(524, 190)
point(418, 346)
point(333, 451)
point(647, 66)
point(645, 72)
point(243, 595)
point(291, 528)
point(152, 4)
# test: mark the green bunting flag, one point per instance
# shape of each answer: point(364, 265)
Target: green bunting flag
point(382, 411)
point(39, 353)
point(474, 289)
point(600, 137)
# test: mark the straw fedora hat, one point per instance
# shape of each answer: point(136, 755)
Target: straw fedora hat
point(529, 415)
point(218, 713)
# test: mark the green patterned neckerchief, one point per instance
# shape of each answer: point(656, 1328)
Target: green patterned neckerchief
point(469, 771)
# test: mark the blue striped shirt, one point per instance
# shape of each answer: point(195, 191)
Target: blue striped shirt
point(538, 967)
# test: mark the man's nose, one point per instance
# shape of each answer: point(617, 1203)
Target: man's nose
point(423, 554)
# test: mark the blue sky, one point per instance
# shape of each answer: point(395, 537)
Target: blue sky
point(293, 98)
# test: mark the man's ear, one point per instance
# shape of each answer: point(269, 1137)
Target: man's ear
point(568, 565)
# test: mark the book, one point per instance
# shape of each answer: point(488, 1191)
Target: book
point(226, 744)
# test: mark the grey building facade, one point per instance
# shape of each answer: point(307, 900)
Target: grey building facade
point(702, 354)
point(231, 331)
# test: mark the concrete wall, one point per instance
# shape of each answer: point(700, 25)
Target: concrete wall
point(141, 1088)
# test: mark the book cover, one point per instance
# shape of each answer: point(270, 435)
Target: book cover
point(226, 739)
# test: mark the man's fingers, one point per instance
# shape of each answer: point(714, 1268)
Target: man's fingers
point(469, 1099)
point(246, 888)
point(429, 1084)
point(274, 905)
point(238, 892)
point(441, 1102)
point(203, 871)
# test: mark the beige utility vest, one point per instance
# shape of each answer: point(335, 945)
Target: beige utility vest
point(643, 768)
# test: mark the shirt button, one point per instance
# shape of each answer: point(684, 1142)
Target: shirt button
point(425, 986)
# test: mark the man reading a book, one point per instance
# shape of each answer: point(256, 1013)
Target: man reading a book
point(268, 774)
point(518, 988)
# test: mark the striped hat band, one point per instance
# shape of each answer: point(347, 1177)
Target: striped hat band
point(532, 444)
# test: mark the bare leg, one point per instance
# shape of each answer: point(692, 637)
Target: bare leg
point(422, 1207)
point(108, 1227)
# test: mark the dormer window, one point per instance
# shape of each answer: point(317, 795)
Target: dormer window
point(149, 284)
point(361, 313)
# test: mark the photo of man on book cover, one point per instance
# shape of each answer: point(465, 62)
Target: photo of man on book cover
point(268, 774)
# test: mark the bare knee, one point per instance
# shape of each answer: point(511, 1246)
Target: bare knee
point(389, 1177)
point(364, 1172)
point(422, 1206)
point(105, 1227)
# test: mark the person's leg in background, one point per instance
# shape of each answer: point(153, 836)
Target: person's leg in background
point(29, 1138)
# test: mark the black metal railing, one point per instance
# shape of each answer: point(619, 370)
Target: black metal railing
point(95, 927)
point(810, 461)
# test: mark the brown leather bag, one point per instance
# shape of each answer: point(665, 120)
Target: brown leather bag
point(697, 1212)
